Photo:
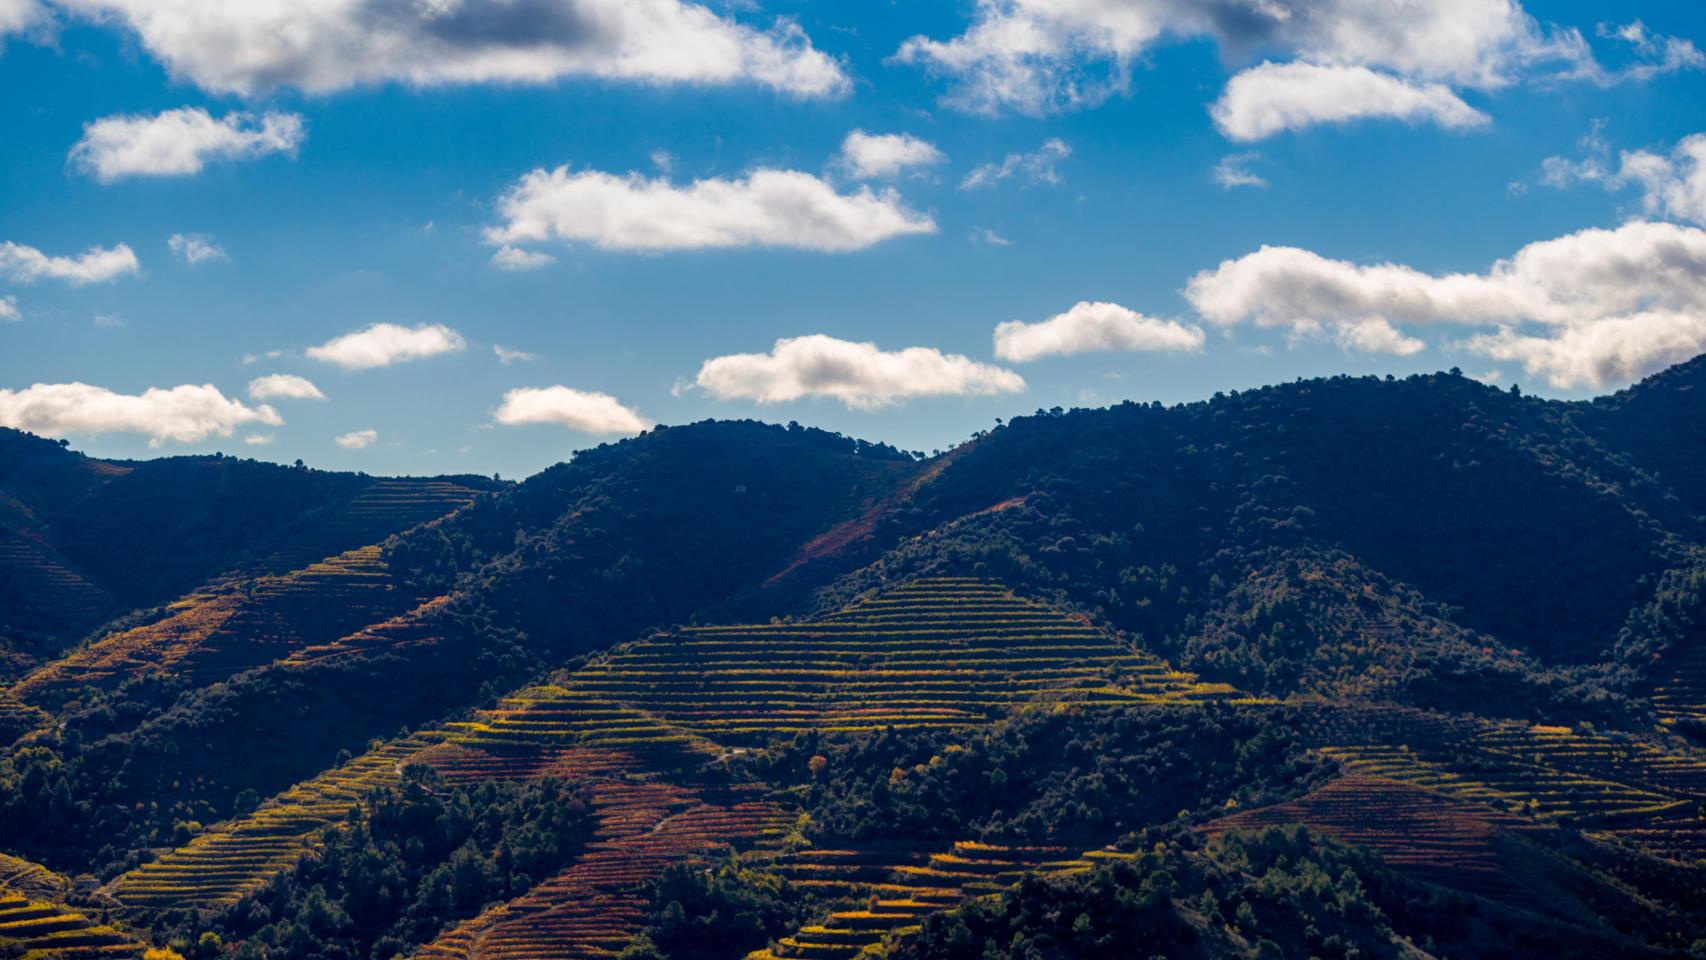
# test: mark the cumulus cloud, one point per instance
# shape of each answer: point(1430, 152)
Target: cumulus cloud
point(384, 344)
point(283, 386)
point(1275, 97)
point(180, 142)
point(183, 414)
point(94, 265)
point(506, 356)
point(357, 439)
point(9, 310)
point(517, 260)
point(1672, 184)
point(1038, 57)
point(768, 208)
point(1089, 327)
point(259, 439)
point(1035, 167)
point(588, 412)
point(868, 156)
point(1234, 171)
point(1376, 335)
point(196, 248)
point(249, 48)
point(1586, 309)
point(860, 375)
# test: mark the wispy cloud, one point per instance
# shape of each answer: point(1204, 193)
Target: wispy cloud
point(1037, 166)
point(196, 248)
point(357, 439)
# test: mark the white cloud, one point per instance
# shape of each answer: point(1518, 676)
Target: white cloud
point(1586, 309)
point(989, 236)
point(357, 439)
point(858, 374)
point(259, 439)
point(109, 320)
point(384, 344)
point(1089, 327)
point(250, 359)
point(184, 414)
point(1672, 185)
point(1376, 335)
point(9, 310)
point(598, 413)
point(94, 265)
point(1233, 171)
point(252, 47)
point(517, 260)
point(768, 208)
point(1654, 55)
point(196, 248)
point(1036, 166)
point(180, 142)
point(506, 356)
point(868, 156)
point(1275, 97)
point(1040, 56)
point(283, 386)
point(22, 16)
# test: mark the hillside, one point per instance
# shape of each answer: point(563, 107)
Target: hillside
point(83, 541)
point(1453, 633)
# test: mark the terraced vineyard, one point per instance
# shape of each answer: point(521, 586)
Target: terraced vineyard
point(887, 891)
point(44, 585)
point(1417, 830)
point(17, 718)
point(937, 652)
point(37, 930)
point(1614, 785)
point(31, 879)
point(211, 635)
point(1683, 695)
point(593, 908)
point(385, 507)
point(239, 856)
point(638, 724)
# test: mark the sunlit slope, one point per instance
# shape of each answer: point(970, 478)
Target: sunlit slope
point(213, 634)
point(938, 652)
point(38, 930)
point(1620, 787)
point(941, 652)
point(222, 865)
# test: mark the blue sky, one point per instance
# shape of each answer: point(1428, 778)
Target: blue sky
point(372, 179)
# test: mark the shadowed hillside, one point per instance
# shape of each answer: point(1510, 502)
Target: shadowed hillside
point(874, 698)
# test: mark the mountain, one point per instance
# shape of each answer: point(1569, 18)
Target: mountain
point(1426, 651)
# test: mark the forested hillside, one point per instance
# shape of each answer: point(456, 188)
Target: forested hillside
point(1342, 667)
